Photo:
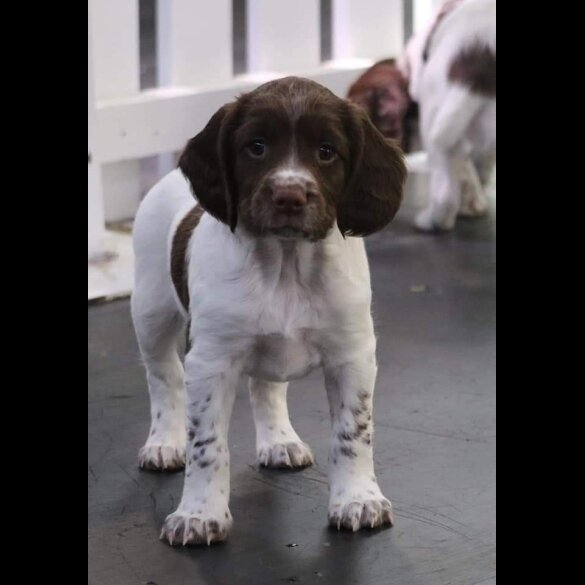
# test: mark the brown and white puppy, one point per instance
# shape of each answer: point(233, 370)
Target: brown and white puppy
point(382, 91)
point(262, 274)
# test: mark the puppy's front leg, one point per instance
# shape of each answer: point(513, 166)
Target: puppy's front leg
point(355, 499)
point(203, 515)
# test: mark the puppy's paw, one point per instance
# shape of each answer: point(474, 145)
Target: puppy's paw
point(286, 455)
point(204, 528)
point(367, 512)
point(161, 457)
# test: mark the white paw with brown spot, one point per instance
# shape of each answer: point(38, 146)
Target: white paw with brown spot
point(161, 457)
point(285, 455)
point(368, 511)
point(187, 529)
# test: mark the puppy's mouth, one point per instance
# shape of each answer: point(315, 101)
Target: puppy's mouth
point(288, 225)
point(289, 233)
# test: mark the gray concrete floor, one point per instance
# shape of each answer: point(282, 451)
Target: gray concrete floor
point(434, 305)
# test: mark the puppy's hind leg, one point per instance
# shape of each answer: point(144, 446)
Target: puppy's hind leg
point(277, 443)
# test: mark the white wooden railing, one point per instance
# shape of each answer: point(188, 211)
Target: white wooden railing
point(195, 75)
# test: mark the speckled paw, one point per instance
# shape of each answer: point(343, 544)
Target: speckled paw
point(286, 455)
point(161, 458)
point(361, 514)
point(179, 529)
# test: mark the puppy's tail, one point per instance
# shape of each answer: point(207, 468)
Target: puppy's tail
point(455, 114)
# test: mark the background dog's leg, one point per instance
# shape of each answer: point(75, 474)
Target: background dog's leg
point(160, 331)
point(485, 165)
point(355, 499)
point(473, 200)
point(444, 193)
point(203, 515)
point(446, 118)
point(277, 443)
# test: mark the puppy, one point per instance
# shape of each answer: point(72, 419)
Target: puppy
point(262, 275)
point(451, 68)
point(383, 93)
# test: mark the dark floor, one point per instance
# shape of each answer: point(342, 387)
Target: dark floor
point(435, 305)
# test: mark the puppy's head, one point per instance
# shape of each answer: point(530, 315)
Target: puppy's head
point(290, 159)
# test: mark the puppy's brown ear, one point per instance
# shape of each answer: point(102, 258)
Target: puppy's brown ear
point(206, 162)
point(374, 191)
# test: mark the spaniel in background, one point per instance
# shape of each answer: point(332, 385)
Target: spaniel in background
point(451, 68)
point(383, 92)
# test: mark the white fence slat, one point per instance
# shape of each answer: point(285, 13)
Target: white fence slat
point(95, 212)
point(194, 40)
point(372, 29)
point(115, 47)
point(115, 28)
point(283, 35)
point(95, 205)
point(122, 185)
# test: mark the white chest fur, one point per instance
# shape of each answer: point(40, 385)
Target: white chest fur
point(279, 304)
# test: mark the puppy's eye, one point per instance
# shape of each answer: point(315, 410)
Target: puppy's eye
point(256, 148)
point(326, 152)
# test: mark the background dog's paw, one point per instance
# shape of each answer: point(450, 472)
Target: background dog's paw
point(476, 207)
point(361, 514)
point(161, 458)
point(188, 529)
point(286, 455)
point(427, 221)
point(424, 221)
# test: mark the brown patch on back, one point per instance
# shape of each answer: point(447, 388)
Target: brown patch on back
point(179, 252)
point(475, 67)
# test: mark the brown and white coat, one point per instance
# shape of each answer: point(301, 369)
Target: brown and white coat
point(269, 282)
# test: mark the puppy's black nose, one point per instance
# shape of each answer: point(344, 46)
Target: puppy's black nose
point(289, 199)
